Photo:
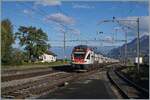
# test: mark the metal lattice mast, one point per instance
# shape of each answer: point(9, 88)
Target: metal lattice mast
point(138, 45)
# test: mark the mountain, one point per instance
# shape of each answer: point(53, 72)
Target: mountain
point(59, 51)
point(131, 48)
point(105, 49)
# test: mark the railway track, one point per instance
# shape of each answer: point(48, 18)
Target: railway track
point(125, 86)
point(33, 87)
point(9, 75)
point(36, 88)
point(38, 68)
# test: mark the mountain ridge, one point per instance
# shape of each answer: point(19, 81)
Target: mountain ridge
point(131, 49)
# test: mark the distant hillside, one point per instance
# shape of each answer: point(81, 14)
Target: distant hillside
point(131, 48)
point(105, 49)
point(59, 50)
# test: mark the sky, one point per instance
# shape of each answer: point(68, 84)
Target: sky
point(78, 19)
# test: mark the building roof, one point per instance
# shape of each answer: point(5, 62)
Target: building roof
point(50, 53)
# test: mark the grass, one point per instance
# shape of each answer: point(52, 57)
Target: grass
point(34, 65)
point(132, 72)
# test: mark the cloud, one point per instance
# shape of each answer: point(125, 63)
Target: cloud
point(60, 19)
point(48, 2)
point(82, 6)
point(75, 31)
point(145, 33)
point(144, 23)
point(27, 11)
point(60, 29)
point(109, 39)
point(132, 25)
point(67, 29)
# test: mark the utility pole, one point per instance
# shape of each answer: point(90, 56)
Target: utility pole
point(100, 33)
point(138, 38)
point(64, 41)
point(64, 45)
point(138, 45)
point(120, 54)
point(125, 48)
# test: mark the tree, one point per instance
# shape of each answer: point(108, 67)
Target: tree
point(7, 39)
point(34, 40)
point(18, 57)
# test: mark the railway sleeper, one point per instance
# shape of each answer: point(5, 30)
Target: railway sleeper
point(46, 84)
point(124, 88)
point(28, 84)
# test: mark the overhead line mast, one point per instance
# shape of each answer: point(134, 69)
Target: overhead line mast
point(138, 36)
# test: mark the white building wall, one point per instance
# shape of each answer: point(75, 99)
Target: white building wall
point(48, 58)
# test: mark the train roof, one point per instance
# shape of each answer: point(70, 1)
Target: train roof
point(81, 46)
point(85, 47)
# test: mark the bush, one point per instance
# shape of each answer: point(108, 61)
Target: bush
point(16, 57)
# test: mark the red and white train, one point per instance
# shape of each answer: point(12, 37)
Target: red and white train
point(83, 57)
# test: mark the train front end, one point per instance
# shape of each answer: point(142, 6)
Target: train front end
point(81, 57)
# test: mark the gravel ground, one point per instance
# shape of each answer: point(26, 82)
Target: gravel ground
point(22, 81)
point(26, 72)
point(94, 86)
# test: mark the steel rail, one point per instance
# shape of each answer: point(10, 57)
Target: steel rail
point(123, 94)
point(145, 91)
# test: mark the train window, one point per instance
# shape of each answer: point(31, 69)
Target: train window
point(79, 55)
point(88, 57)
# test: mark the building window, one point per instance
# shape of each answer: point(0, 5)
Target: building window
point(44, 57)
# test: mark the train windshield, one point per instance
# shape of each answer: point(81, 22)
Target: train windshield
point(79, 55)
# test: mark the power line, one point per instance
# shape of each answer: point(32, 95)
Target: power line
point(40, 12)
point(43, 13)
point(138, 40)
point(103, 40)
point(33, 10)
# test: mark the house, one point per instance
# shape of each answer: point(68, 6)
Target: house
point(48, 57)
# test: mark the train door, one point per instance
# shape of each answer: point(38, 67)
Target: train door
point(88, 58)
point(92, 57)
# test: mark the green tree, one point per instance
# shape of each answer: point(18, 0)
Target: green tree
point(18, 57)
point(7, 40)
point(34, 40)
